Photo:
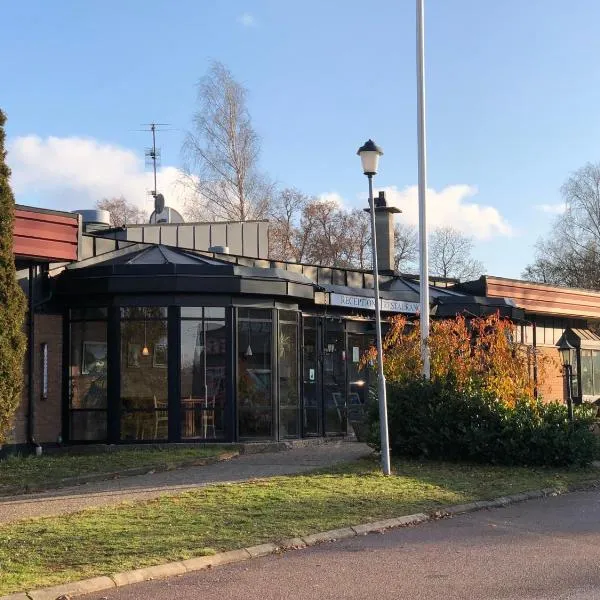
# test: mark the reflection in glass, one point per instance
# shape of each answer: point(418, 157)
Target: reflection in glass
point(203, 362)
point(358, 378)
point(289, 398)
point(255, 405)
point(87, 380)
point(144, 389)
point(586, 373)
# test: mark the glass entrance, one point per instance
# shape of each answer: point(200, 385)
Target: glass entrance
point(311, 408)
point(334, 377)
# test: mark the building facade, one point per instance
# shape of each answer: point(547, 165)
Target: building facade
point(149, 334)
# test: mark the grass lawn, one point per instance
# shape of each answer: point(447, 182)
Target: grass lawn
point(49, 551)
point(27, 471)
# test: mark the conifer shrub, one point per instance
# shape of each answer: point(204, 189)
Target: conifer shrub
point(12, 303)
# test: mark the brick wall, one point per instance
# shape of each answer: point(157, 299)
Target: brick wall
point(47, 428)
point(553, 386)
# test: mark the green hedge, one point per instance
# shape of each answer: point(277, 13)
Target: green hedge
point(434, 420)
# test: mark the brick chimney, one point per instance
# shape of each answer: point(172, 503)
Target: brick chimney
point(384, 231)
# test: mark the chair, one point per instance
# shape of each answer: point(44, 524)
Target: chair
point(208, 417)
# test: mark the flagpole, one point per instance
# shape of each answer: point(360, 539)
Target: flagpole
point(421, 135)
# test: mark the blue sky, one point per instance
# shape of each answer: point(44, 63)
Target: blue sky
point(512, 96)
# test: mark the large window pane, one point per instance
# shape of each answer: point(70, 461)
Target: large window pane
point(144, 382)
point(203, 362)
point(289, 398)
point(88, 365)
point(255, 404)
point(586, 373)
point(596, 368)
point(87, 381)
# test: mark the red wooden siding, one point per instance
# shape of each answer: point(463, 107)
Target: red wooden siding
point(545, 299)
point(45, 235)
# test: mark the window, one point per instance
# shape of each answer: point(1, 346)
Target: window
point(590, 373)
point(203, 365)
point(87, 375)
point(254, 384)
point(144, 373)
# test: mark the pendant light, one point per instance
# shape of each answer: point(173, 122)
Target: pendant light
point(145, 351)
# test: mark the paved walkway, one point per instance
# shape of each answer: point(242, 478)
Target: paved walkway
point(143, 487)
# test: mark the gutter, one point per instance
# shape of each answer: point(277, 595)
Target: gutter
point(31, 357)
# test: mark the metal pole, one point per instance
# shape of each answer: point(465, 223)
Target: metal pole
point(424, 259)
point(569, 374)
point(381, 391)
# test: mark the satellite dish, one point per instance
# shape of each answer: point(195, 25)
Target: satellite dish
point(164, 214)
point(168, 215)
point(159, 203)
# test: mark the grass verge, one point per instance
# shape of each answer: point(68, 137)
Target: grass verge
point(48, 551)
point(48, 471)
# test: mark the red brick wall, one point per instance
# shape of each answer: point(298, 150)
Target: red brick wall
point(553, 386)
point(47, 428)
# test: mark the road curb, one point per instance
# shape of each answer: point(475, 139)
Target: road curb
point(16, 490)
point(105, 582)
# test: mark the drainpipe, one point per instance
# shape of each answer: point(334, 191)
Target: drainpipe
point(31, 359)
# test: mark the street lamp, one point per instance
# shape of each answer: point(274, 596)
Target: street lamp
point(567, 352)
point(369, 155)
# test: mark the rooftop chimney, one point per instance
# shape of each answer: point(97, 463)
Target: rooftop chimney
point(384, 231)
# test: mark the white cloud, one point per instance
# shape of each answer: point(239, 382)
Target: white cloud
point(450, 206)
point(246, 20)
point(74, 173)
point(553, 209)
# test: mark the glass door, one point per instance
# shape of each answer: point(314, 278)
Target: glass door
point(311, 398)
point(334, 377)
point(358, 378)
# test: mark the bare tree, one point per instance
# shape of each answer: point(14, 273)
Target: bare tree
point(122, 212)
point(406, 242)
point(221, 154)
point(570, 255)
point(286, 241)
point(450, 255)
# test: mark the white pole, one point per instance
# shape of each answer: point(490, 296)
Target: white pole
point(424, 259)
point(381, 391)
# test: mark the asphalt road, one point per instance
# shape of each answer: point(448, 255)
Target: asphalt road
point(542, 549)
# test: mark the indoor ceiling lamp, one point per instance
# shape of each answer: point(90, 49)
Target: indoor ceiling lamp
point(145, 351)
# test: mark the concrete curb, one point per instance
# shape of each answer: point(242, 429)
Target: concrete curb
point(20, 490)
point(97, 584)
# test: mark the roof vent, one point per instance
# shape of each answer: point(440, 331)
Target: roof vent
point(219, 249)
point(94, 219)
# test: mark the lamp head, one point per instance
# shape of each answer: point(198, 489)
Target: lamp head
point(566, 352)
point(369, 154)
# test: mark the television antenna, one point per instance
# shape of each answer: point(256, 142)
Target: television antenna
point(152, 154)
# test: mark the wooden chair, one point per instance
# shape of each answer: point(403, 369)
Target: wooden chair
point(208, 417)
point(161, 415)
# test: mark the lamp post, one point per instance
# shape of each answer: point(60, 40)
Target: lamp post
point(567, 351)
point(422, 159)
point(369, 155)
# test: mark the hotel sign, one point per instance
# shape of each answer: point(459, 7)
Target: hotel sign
point(366, 303)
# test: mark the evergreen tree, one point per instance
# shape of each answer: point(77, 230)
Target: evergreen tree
point(12, 303)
